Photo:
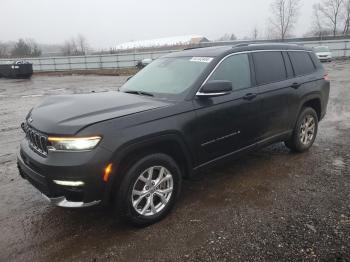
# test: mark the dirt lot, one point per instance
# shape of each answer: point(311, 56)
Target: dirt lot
point(268, 205)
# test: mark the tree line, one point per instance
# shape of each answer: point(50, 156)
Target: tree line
point(22, 48)
point(330, 18)
point(29, 48)
point(75, 46)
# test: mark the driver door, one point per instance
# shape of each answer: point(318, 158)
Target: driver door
point(228, 123)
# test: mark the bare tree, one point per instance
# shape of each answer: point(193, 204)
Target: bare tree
point(255, 33)
point(346, 29)
point(233, 37)
point(21, 49)
point(225, 37)
point(75, 46)
point(331, 9)
point(4, 50)
point(318, 23)
point(66, 48)
point(34, 47)
point(269, 31)
point(25, 48)
point(69, 47)
point(284, 16)
point(82, 44)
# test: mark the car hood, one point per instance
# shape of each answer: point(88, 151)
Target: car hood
point(67, 114)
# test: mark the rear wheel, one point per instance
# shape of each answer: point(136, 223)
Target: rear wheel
point(149, 189)
point(304, 132)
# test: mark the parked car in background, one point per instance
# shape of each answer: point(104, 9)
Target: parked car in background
point(179, 115)
point(17, 69)
point(323, 53)
point(143, 63)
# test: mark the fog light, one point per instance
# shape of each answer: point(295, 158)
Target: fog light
point(69, 183)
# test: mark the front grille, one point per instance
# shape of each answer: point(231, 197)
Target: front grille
point(37, 140)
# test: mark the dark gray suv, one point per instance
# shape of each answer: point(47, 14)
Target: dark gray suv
point(182, 113)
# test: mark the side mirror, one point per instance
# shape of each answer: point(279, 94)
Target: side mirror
point(215, 88)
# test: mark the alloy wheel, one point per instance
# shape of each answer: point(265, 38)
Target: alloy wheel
point(152, 190)
point(307, 129)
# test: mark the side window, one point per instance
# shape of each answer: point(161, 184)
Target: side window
point(302, 63)
point(235, 69)
point(316, 61)
point(269, 67)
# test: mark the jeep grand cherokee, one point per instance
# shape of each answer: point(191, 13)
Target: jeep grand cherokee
point(182, 113)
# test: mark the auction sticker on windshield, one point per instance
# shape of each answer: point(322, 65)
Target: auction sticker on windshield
point(201, 59)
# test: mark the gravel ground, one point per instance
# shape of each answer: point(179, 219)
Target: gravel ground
point(270, 205)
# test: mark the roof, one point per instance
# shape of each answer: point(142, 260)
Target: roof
point(204, 51)
point(215, 51)
point(168, 41)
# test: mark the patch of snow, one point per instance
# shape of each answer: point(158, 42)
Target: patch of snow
point(167, 41)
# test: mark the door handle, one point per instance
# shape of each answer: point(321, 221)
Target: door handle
point(249, 96)
point(295, 85)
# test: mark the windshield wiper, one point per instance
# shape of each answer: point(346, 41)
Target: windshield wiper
point(141, 93)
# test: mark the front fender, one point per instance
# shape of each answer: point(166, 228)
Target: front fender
point(145, 143)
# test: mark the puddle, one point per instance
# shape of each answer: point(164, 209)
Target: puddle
point(339, 163)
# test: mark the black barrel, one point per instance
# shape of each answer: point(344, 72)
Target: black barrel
point(16, 70)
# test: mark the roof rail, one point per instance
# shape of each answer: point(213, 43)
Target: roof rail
point(242, 44)
point(194, 47)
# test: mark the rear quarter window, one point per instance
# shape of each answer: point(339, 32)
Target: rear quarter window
point(269, 67)
point(316, 61)
point(302, 63)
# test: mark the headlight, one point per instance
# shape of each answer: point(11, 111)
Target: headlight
point(73, 143)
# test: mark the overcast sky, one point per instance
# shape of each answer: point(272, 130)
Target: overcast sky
point(106, 23)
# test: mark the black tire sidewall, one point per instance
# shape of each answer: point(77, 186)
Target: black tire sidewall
point(124, 202)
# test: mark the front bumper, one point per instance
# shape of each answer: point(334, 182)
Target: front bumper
point(325, 58)
point(63, 202)
point(43, 174)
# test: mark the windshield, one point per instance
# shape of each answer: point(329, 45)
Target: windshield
point(321, 49)
point(167, 76)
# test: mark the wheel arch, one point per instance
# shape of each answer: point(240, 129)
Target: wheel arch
point(172, 144)
point(314, 101)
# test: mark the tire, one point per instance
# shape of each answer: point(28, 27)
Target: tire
point(137, 190)
point(304, 135)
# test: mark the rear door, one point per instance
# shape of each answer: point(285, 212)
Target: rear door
point(228, 123)
point(274, 78)
point(305, 79)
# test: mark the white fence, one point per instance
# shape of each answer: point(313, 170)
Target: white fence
point(88, 62)
point(339, 48)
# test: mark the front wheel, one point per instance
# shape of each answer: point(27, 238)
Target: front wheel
point(304, 132)
point(149, 189)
